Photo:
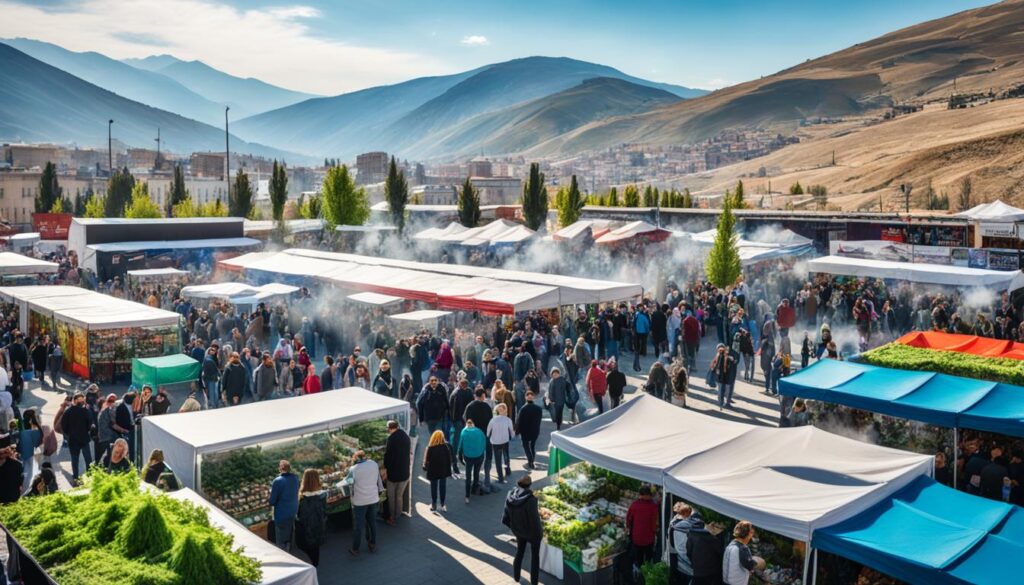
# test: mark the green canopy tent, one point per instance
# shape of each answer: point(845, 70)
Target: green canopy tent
point(163, 371)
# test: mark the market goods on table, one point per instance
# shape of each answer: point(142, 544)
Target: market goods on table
point(584, 515)
point(238, 481)
point(954, 363)
point(117, 534)
point(783, 557)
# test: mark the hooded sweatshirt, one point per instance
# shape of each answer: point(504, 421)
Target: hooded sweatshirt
point(679, 531)
point(522, 515)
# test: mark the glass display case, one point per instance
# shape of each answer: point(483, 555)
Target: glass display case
point(110, 351)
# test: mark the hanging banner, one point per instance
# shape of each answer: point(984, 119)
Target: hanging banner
point(998, 230)
point(959, 256)
point(932, 255)
point(1003, 260)
point(977, 258)
point(873, 250)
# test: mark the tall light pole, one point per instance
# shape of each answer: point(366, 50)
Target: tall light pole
point(227, 153)
point(110, 149)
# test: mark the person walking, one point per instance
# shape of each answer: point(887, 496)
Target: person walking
point(481, 413)
point(460, 399)
point(211, 378)
point(684, 520)
point(472, 446)
point(616, 383)
point(737, 562)
point(557, 396)
point(499, 433)
point(725, 365)
point(364, 477)
point(522, 517)
point(597, 385)
point(691, 339)
point(438, 465)
point(704, 550)
point(75, 423)
point(284, 498)
point(232, 381)
point(311, 519)
point(397, 469)
point(265, 378)
point(528, 428)
point(432, 404)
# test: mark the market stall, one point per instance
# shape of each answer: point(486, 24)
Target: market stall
point(416, 321)
point(165, 371)
point(636, 231)
point(157, 275)
point(99, 334)
point(230, 455)
point(375, 299)
point(957, 276)
point(239, 294)
point(12, 264)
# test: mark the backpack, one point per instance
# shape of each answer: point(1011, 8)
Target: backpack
point(786, 361)
point(49, 441)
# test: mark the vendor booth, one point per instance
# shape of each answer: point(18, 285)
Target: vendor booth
point(957, 276)
point(239, 294)
point(157, 275)
point(17, 269)
point(165, 371)
point(230, 455)
point(375, 299)
point(633, 232)
point(416, 321)
point(99, 334)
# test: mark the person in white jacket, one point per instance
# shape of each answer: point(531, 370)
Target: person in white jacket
point(499, 432)
point(364, 477)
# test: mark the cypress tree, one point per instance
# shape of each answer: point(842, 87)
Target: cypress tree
point(278, 190)
point(570, 204)
point(119, 193)
point(396, 192)
point(723, 263)
point(49, 189)
point(535, 199)
point(613, 198)
point(343, 203)
point(631, 197)
point(469, 205)
point(240, 202)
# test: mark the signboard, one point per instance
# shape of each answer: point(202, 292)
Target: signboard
point(894, 233)
point(959, 256)
point(1003, 260)
point(51, 226)
point(937, 235)
point(932, 255)
point(977, 258)
point(873, 250)
point(998, 230)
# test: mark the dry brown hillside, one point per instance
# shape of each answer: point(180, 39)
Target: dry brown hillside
point(978, 50)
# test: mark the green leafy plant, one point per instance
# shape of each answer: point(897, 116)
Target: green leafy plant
point(896, 355)
point(655, 573)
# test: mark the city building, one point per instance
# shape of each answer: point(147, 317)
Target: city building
point(207, 164)
point(498, 190)
point(434, 195)
point(480, 167)
point(18, 191)
point(143, 158)
point(371, 167)
point(28, 156)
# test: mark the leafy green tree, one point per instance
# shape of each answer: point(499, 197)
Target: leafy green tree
point(613, 198)
point(141, 206)
point(687, 199)
point(186, 208)
point(738, 197)
point(310, 207)
point(213, 209)
point(58, 206)
point(95, 207)
point(119, 192)
point(796, 189)
point(177, 191)
point(80, 201)
point(820, 195)
point(569, 203)
point(49, 189)
point(396, 193)
point(535, 199)
point(343, 202)
point(631, 196)
point(278, 190)
point(469, 204)
point(723, 263)
point(240, 202)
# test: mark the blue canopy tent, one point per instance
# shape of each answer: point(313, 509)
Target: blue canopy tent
point(938, 399)
point(930, 533)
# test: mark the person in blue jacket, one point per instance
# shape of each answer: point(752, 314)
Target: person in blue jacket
point(472, 446)
point(284, 497)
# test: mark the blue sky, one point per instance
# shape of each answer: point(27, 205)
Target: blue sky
point(334, 46)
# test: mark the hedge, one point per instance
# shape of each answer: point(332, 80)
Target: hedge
point(966, 365)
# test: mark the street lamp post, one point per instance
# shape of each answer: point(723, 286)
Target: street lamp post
point(110, 149)
point(227, 153)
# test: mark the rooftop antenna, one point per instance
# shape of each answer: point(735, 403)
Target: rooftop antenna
point(156, 164)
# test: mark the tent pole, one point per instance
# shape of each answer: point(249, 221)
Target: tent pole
point(664, 523)
point(956, 453)
point(814, 575)
point(807, 562)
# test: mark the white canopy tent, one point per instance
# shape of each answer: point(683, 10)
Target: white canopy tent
point(595, 227)
point(420, 316)
point(630, 230)
point(453, 228)
point(996, 212)
point(960, 276)
point(238, 292)
point(788, 481)
point(278, 567)
point(84, 308)
point(156, 273)
point(374, 299)
point(11, 263)
point(186, 437)
point(23, 240)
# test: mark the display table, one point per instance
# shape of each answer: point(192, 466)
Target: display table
point(166, 370)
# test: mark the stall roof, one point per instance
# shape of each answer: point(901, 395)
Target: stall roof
point(424, 315)
point(26, 237)
point(930, 533)
point(115, 247)
point(11, 263)
point(972, 344)
point(436, 233)
point(184, 436)
point(366, 228)
point(295, 226)
point(239, 263)
point(996, 212)
point(961, 276)
point(88, 309)
point(370, 298)
point(595, 227)
point(157, 272)
point(634, 229)
point(237, 290)
point(278, 567)
point(939, 399)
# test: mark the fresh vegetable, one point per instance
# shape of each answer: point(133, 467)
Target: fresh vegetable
point(896, 355)
point(655, 573)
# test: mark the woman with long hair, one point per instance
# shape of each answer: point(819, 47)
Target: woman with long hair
point(311, 530)
point(311, 385)
point(437, 463)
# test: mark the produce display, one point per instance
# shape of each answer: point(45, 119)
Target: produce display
point(880, 429)
point(116, 534)
point(584, 515)
point(954, 363)
point(783, 557)
point(238, 481)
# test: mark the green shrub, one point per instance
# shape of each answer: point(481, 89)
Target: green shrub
point(655, 573)
point(905, 357)
point(145, 533)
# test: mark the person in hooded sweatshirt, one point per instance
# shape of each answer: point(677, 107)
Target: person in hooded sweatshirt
point(232, 381)
point(684, 520)
point(522, 516)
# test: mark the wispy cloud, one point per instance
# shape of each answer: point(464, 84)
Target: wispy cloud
point(717, 83)
point(273, 44)
point(475, 40)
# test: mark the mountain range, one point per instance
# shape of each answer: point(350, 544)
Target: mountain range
point(41, 103)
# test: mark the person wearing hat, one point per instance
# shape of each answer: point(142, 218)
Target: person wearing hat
point(75, 423)
point(384, 382)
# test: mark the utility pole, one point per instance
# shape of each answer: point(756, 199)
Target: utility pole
point(110, 150)
point(156, 165)
point(227, 153)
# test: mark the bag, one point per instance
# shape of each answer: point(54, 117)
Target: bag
point(49, 441)
point(786, 361)
point(710, 379)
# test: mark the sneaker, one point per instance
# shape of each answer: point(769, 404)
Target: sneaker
point(433, 508)
point(373, 548)
point(353, 552)
point(467, 500)
point(445, 508)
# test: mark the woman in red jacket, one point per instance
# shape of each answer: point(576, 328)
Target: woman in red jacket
point(312, 383)
point(597, 385)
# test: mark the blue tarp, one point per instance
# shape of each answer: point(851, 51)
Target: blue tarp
point(929, 533)
point(938, 399)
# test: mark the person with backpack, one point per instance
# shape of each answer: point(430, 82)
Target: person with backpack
point(522, 517)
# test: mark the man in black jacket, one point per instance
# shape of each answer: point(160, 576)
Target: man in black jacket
point(12, 475)
point(705, 553)
point(457, 403)
point(232, 381)
point(528, 427)
point(397, 465)
point(76, 423)
point(522, 516)
point(432, 404)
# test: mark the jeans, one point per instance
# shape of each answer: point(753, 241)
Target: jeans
point(456, 436)
point(434, 425)
point(748, 366)
point(641, 343)
point(473, 472)
point(724, 394)
point(612, 348)
point(283, 532)
point(213, 394)
point(599, 401)
point(364, 515)
point(396, 497)
point(501, 460)
point(642, 554)
point(438, 487)
point(530, 447)
point(614, 399)
point(75, 450)
point(517, 563)
point(691, 354)
point(55, 371)
point(488, 456)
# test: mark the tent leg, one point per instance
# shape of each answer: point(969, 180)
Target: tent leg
point(814, 574)
point(664, 524)
point(807, 562)
point(956, 454)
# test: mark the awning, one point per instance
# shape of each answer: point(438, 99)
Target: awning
point(938, 399)
point(88, 309)
point(185, 436)
point(972, 344)
point(237, 291)
point(157, 272)
point(959, 276)
point(213, 243)
point(996, 211)
point(639, 230)
point(434, 233)
point(929, 533)
point(420, 316)
point(11, 263)
point(375, 299)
